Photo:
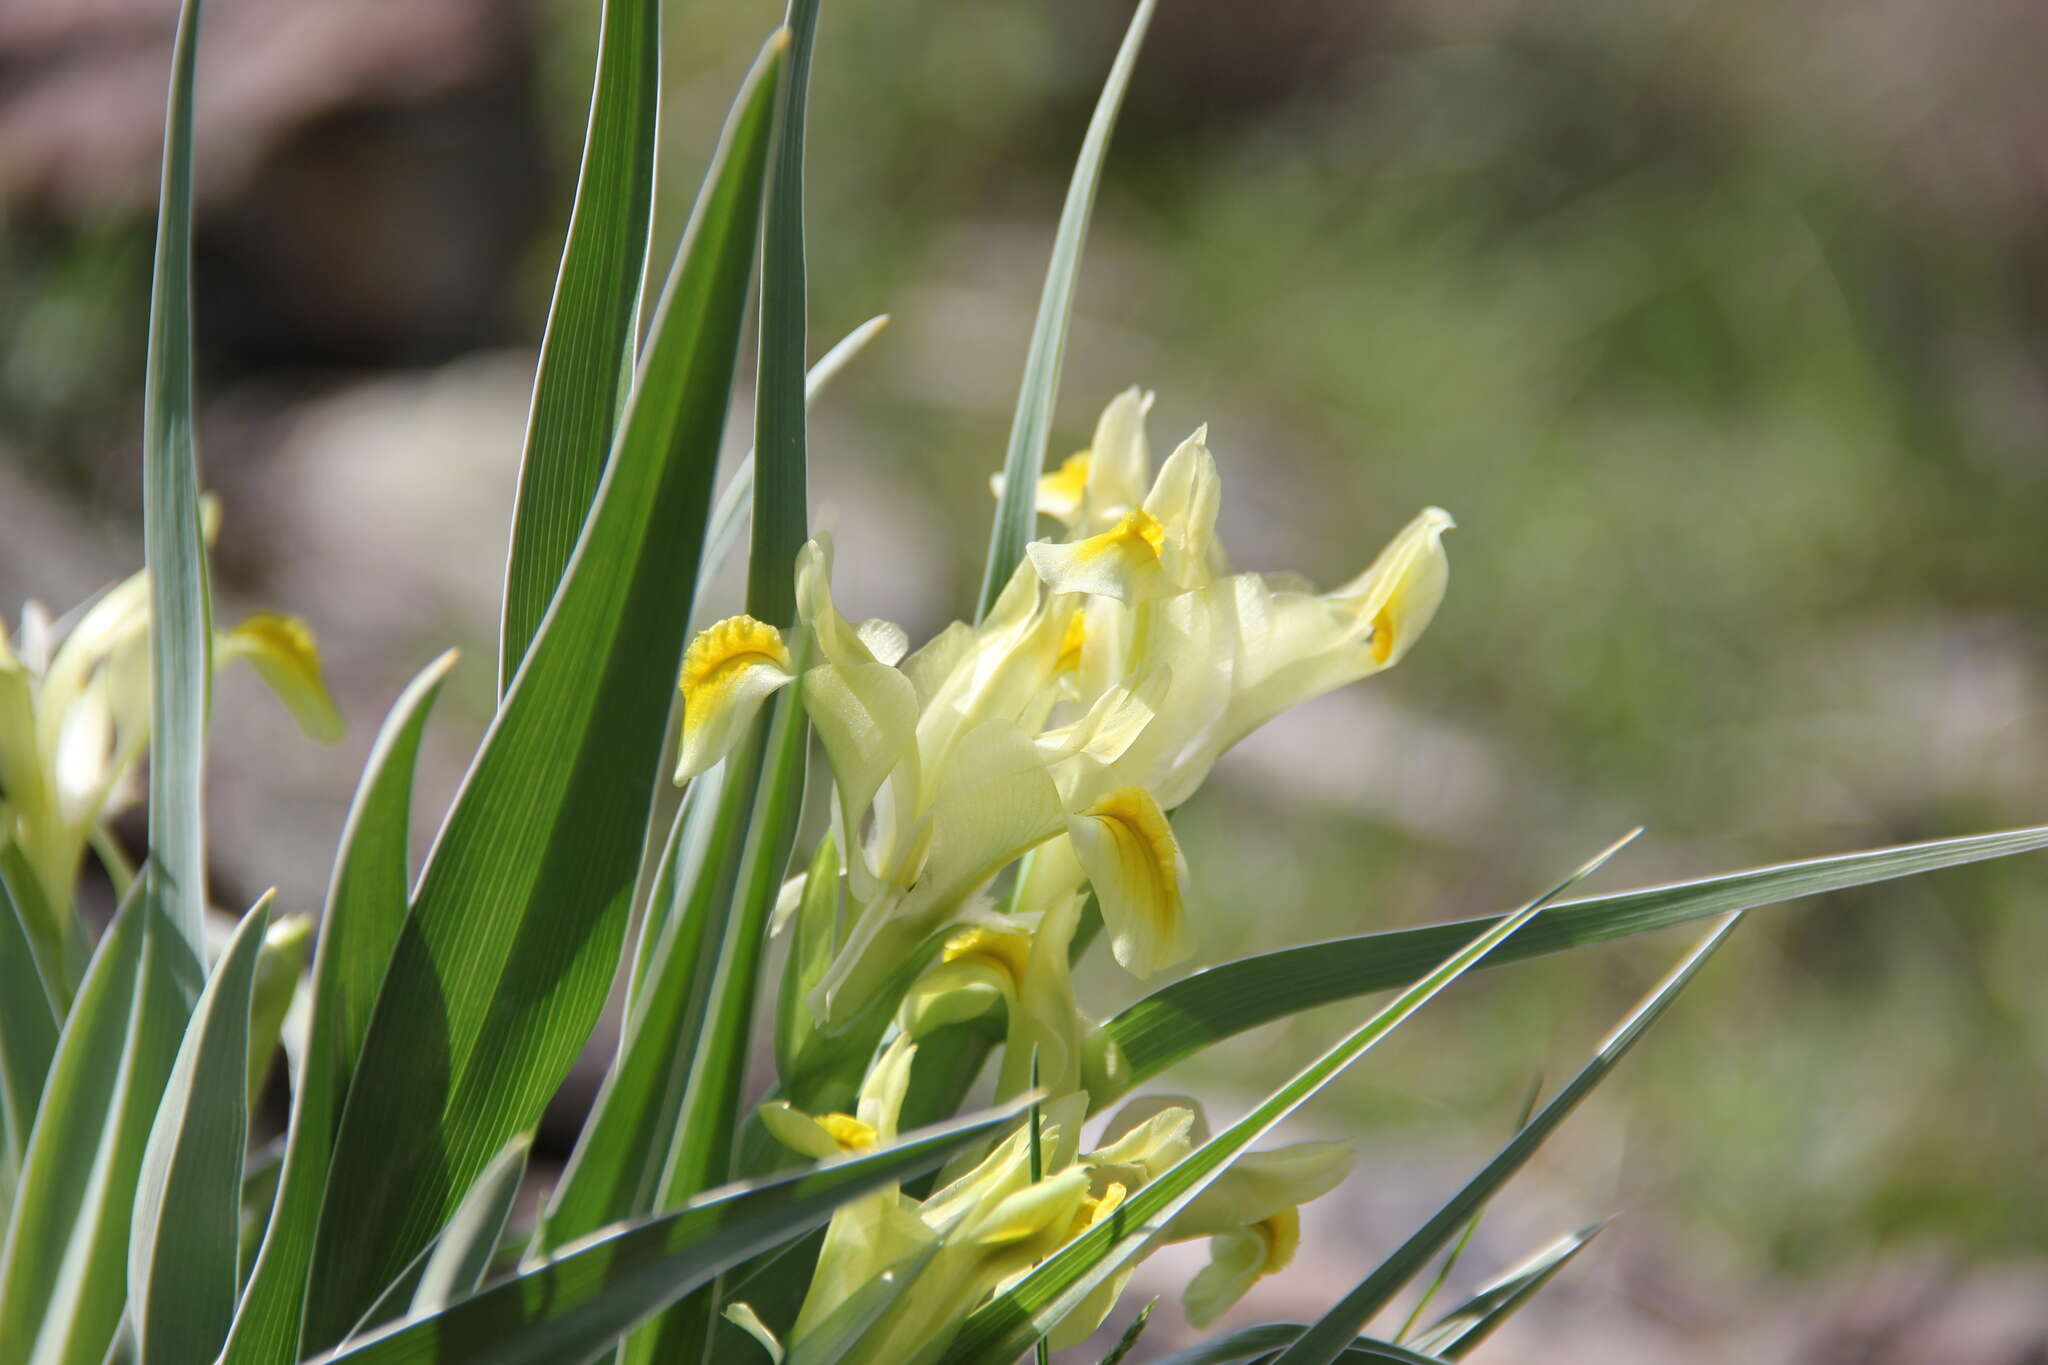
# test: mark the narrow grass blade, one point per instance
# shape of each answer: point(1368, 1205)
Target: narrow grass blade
point(63, 1273)
point(1453, 1336)
point(1009, 1323)
point(1128, 1342)
point(1261, 1343)
point(1350, 1314)
point(572, 1306)
point(365, 908)
point(812, 934)
point(462, 1254)
point(515, 929)
point(1016, 508)
point(782, 519)
point(736, 502)
point(1464, 1240)
point(587, 350)
point(28, 1040)
point(1205, 1006)
point(184, 1246)
point(181, 632)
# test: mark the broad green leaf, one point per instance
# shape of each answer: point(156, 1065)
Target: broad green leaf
point(184, 1246)
point(365, 907)
point(568, 1308)
point(736, 502)
point(782, 518)
point(1473, 1321)
point(462, 1253)
point(181, 631)
point(1010, 1322)
point(1016, 514)
point(28, 1039)
point(586, 352)
point(515, 929)
point(63, 1274)
point(1261, 1343)
point(1205, 1006)
point(616, 1168)
point(1350, 1314)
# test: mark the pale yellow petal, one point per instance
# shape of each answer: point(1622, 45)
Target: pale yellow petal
point(284, 654)
point(1123, 562)
point(1139, 876)
point(728, 671)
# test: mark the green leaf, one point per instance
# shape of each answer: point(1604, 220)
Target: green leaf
point(1016, 514)
point(1473, 1321)
point(1010, 1322)
point(812, 942)
point(1351, 1313)
point(365, 909)
point(181, 631)
point(28, 1039)
point(1128, 1342)
point(280, 971)
point(462, 1253)
point(702, 1154)
point(578, 1303)
point(586, 353)
point(616, 1168)
point(515, 930)
point(1261, 1342)
point(185, 1243)
point(782, 520)
point(63, 1274)
point(1206, 1006)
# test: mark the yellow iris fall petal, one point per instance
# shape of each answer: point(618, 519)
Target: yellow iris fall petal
point(1139, 875)
point(729, 670)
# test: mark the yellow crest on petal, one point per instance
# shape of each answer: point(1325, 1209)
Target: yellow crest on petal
point(1007, 951)
point(728, 671)
point(1135, 865)
point(1060, 492)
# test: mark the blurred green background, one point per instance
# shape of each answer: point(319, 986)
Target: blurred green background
point(1721, 326)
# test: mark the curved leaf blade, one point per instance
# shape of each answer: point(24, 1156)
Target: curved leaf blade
point(462, 1254)
point(1349, 1315)
point(63, 1273)
point(1009, 1323)
point(365, 908)
point(181, 630)
point(515, 929)
point(1464, 1327)
point(586, 352)
point(28, 1040)
point(1203, 1007)
point(184, 1246)
point(584, 1299)
point(1016, 507)
point(1261, 1342)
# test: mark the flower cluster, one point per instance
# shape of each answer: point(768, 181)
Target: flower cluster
point(74, 725)
point(1053, 736)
